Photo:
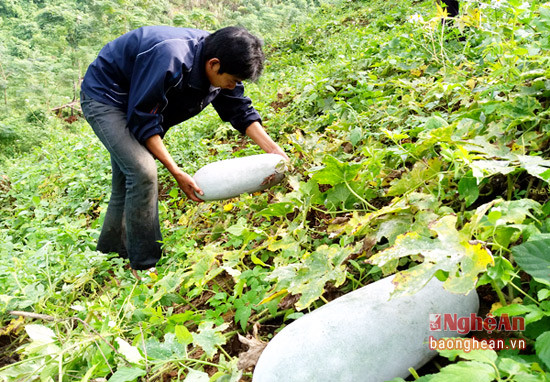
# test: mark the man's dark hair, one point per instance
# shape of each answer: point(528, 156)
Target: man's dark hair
point(240, 52)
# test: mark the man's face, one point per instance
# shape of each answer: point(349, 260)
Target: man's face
point(224, 81)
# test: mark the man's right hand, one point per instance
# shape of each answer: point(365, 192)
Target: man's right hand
point(155, 145)
point(188, 185)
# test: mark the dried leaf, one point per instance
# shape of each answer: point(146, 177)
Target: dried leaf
point(251, 356)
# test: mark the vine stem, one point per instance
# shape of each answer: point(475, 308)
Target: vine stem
point(46, 317)
point(501, 297)
point(359, 197)
point(144, 352)
point(525, 294)
point(414, 373)
point(510, 187)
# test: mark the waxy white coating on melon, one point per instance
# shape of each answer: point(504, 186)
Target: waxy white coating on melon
point(362, 336)
point(231, 177)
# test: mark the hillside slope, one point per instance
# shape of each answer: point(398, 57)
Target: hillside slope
point(406, 134)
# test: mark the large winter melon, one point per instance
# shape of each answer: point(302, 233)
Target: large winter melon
point(364, 336)
point(231, 177)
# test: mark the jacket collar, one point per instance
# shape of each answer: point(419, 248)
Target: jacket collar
point(197, 76)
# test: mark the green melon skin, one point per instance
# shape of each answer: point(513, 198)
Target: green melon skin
point(232, 177)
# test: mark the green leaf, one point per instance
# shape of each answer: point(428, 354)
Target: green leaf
point(172, 347)
point(503, 270)
point(543, 294)
point(208, 337)
point(542, 347)
point(242, 313)
point(435, 122)
point(532, 312)
point(465, 371)
point(515, 368)
point(519, 108)
point(536, 166)
point(468, 189)
point(355, 136)
point(183, 335)
point(336, 172)
point(89, 373)
point(487, 356)
point(514, 211)
point(486, 168)
point(239, 228)
point(309, 277)
point(513, 310)
point(196, 376)
point(174, 192)
point(277, 209)
point(533, 258)
point(338, 194)
point(126, 374)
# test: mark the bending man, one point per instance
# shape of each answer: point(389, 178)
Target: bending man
point(140, 85)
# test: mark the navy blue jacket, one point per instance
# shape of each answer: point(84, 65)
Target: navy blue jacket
point(156, 74)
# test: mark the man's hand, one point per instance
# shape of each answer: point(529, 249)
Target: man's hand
point(257, 133)
point(279, 150)
point(155, 145)
point(188, 185)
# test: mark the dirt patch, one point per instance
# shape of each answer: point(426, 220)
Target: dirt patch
point(8, 344)
point(4, 183)
point(284, 98)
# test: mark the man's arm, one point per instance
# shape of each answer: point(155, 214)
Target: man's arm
point(155, 145)
point(257, 133)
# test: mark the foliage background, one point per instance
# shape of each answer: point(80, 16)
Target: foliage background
point(418, 147)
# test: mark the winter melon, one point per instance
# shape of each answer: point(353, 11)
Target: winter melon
point(363, 336)
point(231, 177)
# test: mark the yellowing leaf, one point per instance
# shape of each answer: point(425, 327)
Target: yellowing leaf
point(257, 261)
point(472, 18)
point(441, 12)
point(14, 326)
point(495, 306)
point(273, 296)
point(411, 281)
point(445, 228)
point(474, 260)
point(422, 173)
point(450, 251)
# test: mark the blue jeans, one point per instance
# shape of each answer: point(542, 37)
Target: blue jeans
point(131, 227)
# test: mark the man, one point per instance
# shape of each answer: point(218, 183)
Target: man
point(140, 85)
